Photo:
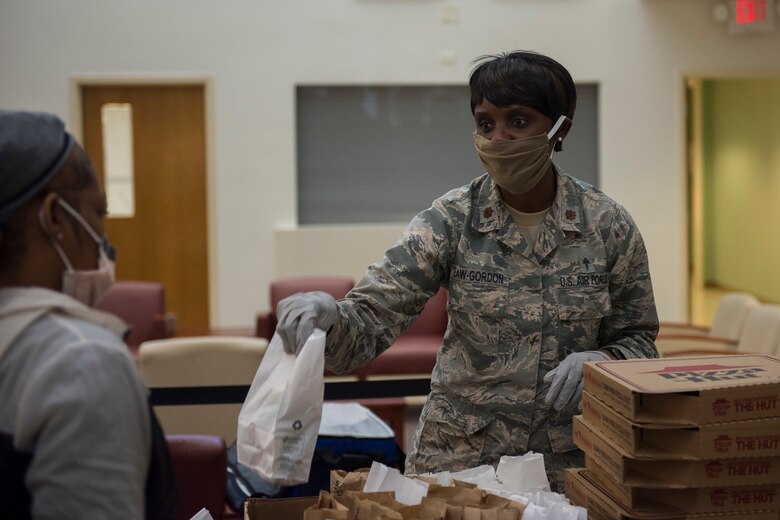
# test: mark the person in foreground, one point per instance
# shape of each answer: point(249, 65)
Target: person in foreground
point(544, 273)
point(77, 436)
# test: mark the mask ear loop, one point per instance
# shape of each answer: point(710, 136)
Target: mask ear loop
point(75, 214)
point(552, 131)
point(106, 249)
point(57, 247)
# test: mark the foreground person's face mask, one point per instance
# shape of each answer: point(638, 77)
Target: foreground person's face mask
point(517, 165)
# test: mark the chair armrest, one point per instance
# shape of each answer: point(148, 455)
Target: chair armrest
point(679, 329)
point(671, 344)
point(265, 325)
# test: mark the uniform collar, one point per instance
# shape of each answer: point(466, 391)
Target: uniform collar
point(491, 213)
point(566, 210)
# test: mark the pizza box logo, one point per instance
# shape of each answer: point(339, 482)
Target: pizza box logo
point(719, 497)
point(712, 373)
point(723, 443)
point(713, 469)
point(721, 406)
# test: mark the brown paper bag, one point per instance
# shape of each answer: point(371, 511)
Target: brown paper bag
point(462, 484)
point(326, 514)
point(458, 496)
point(451, 512)
point(368, 509)
point(352, 500)
point(423, 512)
point(327, 508)
point(505, 504)
point(341, 480)
point(428, 479)
point(479, 513)
point(485, 512)
point(454, 513)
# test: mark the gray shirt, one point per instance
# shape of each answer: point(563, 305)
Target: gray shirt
point(72, 399)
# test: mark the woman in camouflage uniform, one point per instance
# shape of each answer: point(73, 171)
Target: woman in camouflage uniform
point(543, 272)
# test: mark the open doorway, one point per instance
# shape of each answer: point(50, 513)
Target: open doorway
point(733, 163)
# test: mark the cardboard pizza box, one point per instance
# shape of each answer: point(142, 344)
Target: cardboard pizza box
point(738, 439)
point(582, 491)
point(688, 390)
point(664, 473)
point(689, 500)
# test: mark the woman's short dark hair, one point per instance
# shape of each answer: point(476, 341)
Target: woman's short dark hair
point(523, 78)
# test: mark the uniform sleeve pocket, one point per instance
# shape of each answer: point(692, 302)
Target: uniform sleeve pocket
point(583, 303)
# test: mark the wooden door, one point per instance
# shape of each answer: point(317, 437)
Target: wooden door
point(165, 239)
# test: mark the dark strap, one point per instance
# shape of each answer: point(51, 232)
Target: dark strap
point(15, 500)
point(160, 480)
point(333, 391)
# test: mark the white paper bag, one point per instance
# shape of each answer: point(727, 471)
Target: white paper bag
point(280, 419)
point(523, 473)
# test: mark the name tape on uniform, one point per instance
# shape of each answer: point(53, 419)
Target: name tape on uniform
point(584, 280)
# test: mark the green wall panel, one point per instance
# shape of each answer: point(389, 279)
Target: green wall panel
point(741, 163)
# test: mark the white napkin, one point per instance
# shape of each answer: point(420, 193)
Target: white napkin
point(523, 473)
point(407, 491)
point(203, 514)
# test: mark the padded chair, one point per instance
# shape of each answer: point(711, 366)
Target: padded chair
point(728, 321)
point(142, 306)
point(336, 286)
point(760, 335)
point(200, 469)
point(201, 361)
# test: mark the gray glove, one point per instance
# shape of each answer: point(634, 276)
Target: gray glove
point(298, 315)
point(566, 387)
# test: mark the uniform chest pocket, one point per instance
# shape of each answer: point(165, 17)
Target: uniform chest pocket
point(478, 292)
point(477, 303)
point(583, 303)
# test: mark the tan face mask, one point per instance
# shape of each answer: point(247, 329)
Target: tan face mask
point(517, 165)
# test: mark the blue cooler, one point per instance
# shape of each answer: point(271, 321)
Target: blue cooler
point(350, 437)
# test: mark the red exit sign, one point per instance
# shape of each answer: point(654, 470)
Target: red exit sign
point(751, 11)
point(749, 16)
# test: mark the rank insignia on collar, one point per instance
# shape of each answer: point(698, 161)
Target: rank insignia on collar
point(487, 213)
point(571, 215)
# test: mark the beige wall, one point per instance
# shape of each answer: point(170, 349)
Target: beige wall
point(256, 51)
point(321, 250)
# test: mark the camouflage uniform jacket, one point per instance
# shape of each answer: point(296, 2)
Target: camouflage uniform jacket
point(515, 311)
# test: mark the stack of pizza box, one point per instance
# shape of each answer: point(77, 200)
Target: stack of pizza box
point(674, 438)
